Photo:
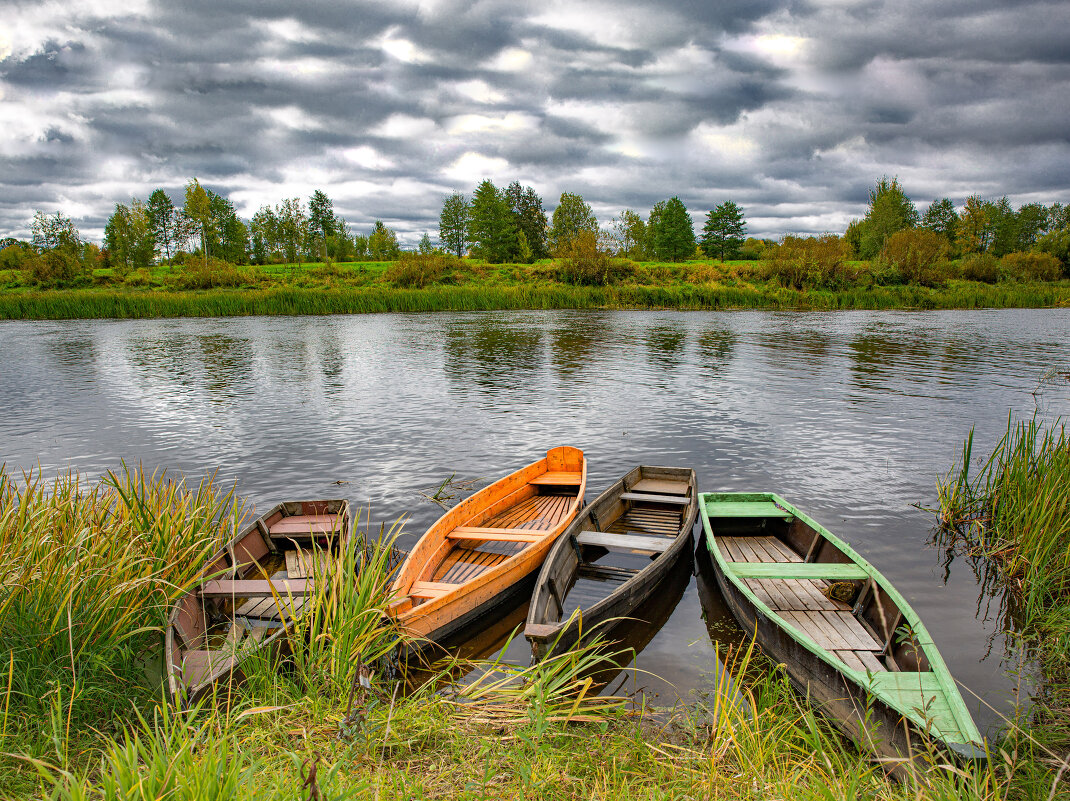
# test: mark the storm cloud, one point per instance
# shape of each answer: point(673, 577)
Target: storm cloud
point(791, 109)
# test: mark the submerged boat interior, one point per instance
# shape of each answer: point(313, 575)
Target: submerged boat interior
point(493, 535)
point(615, 542)
point(814, 587)
point(259, 580)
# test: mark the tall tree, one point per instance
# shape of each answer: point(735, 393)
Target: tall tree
point(230, 236)
point(266, 236)
point(129, 237)
point(941, 218)
point(293, 228)
point(571, 216)
point(1032, 224)
point(321, 221)
point(425, 247)
point(975, 225)
point(59, 244)
point(671, 230)
point(198, 209)
point(725, 231)
point(453, 224)
point(165, 222)
point(1004, 227)
point(630, 233)
point(531, 220)
point(383, 243)
point(492, 226)
point(890, 210)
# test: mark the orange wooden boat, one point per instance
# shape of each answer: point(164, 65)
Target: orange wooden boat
point(475, 555)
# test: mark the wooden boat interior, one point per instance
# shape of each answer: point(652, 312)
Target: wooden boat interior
point(618, 537)
point(816, 588)
point(502, 530)
point(251, 587)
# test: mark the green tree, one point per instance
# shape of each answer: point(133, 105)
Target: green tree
point(672, 233)
point(1004, 228)
point(129, 238)
point(198, 210)
point(571, 216)
point(890, 210)
point(492, 226)
point(166, 223)
point(1032, 224)
point(530, 218)
point(59, 244)
point(426, 247)
point(293, 228)
point(941, 218)
point(975, 226)
point(383, 243)
point(453, 224)
point(321, 221)
point(266, 236)
point(629, 232)
point(230, 236)
point(724, 232)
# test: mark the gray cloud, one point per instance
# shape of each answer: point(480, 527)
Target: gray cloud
point(792, 109)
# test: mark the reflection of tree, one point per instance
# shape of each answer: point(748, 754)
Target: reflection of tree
point(492, 357)
point(812, 346)
point(715, 348)
point(332, 364)
point(227, 361)
point(75, 356)
point(664, 345)
point(874, 356)
point(573, 344)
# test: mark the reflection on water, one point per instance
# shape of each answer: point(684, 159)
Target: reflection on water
point(849, 415)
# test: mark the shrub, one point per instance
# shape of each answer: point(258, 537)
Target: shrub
point(1021, 266)
point(53, 267)
point(12, 257)
point(818, 262)
point(982, 267)
point(1057, 244)
point(917, 255)
point(753, 249)
point(416, 270)
point(216, 273)
point(587, 261)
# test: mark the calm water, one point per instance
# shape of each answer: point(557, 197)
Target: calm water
point(849, 415)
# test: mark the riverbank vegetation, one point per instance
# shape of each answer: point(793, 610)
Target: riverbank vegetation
point(1012, 509)
point(89, 571)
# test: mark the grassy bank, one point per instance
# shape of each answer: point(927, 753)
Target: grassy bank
point(89, 569)
point(1014, 510)
point(101, 303)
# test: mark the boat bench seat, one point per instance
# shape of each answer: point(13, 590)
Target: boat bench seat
point(429, 589)
point(624, 542)
point(557, 479)
point(798, 570)
point(307, 525)
point(259, 588)
point(676, 500)
point(496, 534)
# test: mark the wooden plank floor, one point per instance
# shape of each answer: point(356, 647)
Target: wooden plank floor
point(651, 522)
point(538, 512)
point(801, 604)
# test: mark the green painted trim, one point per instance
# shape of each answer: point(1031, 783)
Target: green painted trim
point(961, 718)
point(797, 570)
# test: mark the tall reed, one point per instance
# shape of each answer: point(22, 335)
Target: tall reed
point(86, 572)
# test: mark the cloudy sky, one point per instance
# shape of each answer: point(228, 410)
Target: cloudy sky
point(791, 109)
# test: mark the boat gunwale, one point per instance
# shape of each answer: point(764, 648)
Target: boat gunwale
point(949, 689)
point(617, 488)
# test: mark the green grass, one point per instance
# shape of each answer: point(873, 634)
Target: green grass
point(90, 567)
point(1014, 511)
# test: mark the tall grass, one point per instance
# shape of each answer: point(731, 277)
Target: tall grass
point(86, 572)
point(107, 303)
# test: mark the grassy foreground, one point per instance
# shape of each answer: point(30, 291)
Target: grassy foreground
point(89, 569)
point(225, 290)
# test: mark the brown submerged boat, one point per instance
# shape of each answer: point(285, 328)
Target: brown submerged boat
point(479, 553)
point(612, 557)
point(260, 579)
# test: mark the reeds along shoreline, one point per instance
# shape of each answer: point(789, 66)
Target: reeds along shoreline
point(90, 568)
point(61, 304)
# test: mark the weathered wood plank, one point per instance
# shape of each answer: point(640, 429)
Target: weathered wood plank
point(675, 500)
point(604, 539)
point(256, 588)
point(798, 570)
point(662, 486)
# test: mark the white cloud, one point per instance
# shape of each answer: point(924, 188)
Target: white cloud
point(402, 126)
point(472, 167)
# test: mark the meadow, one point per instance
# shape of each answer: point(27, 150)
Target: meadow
point(90, 568)
point(441, 283)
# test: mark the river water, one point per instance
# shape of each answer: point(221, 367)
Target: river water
point(851, 416)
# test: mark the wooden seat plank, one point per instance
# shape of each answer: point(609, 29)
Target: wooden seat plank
point(429, 589)
point(663, 486)
point(557, 479)
point(496, 534)
point(799, 570)
point(604, 539)
point(257, 588)
point(305, 524)
point(644, 497)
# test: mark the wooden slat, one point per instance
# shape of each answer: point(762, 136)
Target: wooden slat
point(259, 588)
point(305, 524)
point(496, 534)
point(604, 539)
point(849, 627)
point(798, 570)
point(674, 500)
point(728, 545)
point(850, 659)
point(557, 479)
point(663, 486)
point(870, 662)
point(430, 589)
point(542, 631)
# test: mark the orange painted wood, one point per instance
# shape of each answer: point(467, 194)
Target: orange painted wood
point(501, 499)
point(495, 534)
point(556, 479)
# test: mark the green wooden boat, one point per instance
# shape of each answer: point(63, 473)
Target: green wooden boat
point(846, 637)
